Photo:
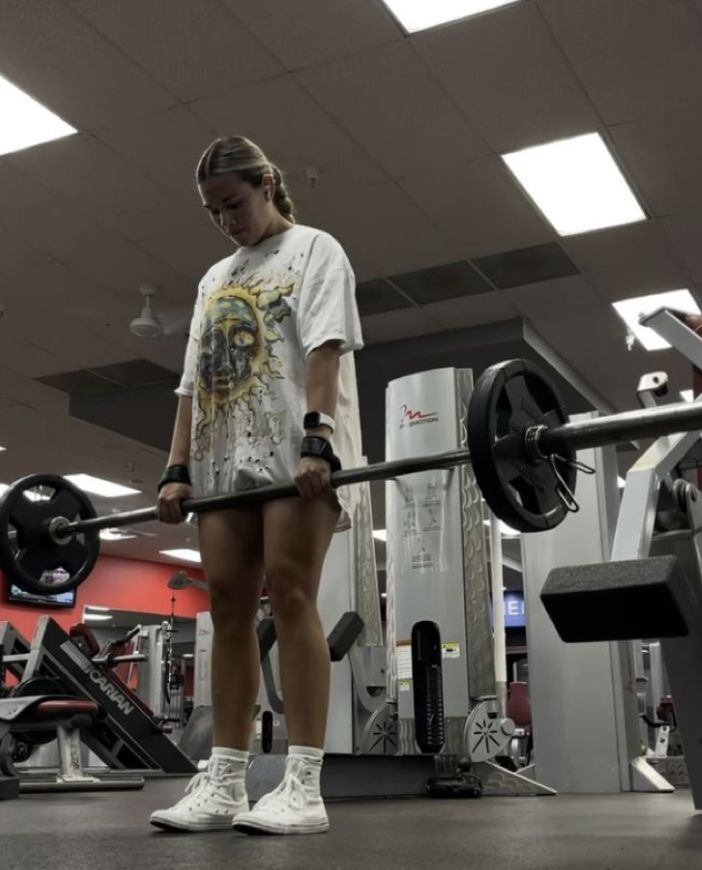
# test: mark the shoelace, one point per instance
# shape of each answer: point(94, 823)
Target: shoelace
point(201, 781)
point(291, 789)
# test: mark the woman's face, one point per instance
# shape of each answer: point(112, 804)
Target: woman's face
point(238, 209)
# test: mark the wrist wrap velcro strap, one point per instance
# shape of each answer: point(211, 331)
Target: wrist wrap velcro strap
point(175, 474)
point(313, 445)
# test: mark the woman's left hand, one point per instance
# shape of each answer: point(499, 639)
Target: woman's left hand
point(313, 477)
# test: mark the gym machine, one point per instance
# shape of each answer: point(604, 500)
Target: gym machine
point(38, 711)
point(651, 588)
point(125, 736)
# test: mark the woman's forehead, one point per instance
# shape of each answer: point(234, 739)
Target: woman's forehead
point(219, 187)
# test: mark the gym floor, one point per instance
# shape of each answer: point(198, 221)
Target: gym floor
point(109, 830)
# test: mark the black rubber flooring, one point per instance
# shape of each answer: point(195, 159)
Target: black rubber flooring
point(110, 831)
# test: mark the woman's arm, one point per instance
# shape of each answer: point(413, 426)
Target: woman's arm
point(322, 382)
point(180, 442)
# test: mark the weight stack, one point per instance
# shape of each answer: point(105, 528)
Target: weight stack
point(436, 566)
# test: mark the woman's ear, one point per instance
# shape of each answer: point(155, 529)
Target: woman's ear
point(268, 185)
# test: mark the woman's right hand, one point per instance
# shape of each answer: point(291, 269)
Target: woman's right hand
point(170, 498)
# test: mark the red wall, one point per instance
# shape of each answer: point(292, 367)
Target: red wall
point(123, 584)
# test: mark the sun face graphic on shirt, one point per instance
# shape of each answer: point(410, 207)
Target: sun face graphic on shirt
point(236, 357)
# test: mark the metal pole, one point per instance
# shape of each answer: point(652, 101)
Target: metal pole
point(498, 614)
point(379, 471)
point(571, 436)
point(647, 423)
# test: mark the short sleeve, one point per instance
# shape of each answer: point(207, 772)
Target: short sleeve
point(327, 309)
point(187, 381)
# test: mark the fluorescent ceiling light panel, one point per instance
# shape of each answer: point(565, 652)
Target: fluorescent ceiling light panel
point(97, 617)
point(98, 607)
point(97, 486)
point(632, 310)
point(380, 534)
point(185, 554)
point(416, 15)
point(687, 395)
point(576, 184)
point(25, 122)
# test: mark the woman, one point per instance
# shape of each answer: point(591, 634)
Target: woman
point(268, 393)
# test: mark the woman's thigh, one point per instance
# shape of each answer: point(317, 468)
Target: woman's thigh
point(231, 548)
point(296, 536)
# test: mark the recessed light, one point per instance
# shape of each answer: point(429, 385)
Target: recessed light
point(632, 310)
point(621, 483)
point(416, 15)
point(25, 122)
point(97, 486)
point(380, 534)
point(576, 184)
point(186, 554)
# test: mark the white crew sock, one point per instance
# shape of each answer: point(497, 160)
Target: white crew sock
point(306, 763)
point(229, 766)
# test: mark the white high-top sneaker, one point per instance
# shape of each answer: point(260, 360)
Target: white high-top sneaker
point(212, 799)
point(292, 808)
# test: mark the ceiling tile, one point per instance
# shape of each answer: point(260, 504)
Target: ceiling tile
point(123, 267)
point(55, 56)
point(471, 310)
point(662, 154)
point(194, 49)
point(166, 146)
point(391, 104)
point(25, 358)
point(49, 220)
point(93, 177)
point(375, 297)
point(634, 57)
point(380, 228)
point(441, 282)
point(27, 392)
point(478, 207)
point(627, 261)
point(685, 233)
point(582, 334)
point(510, 78)
point(526, 265)
point(293, 131)
point(550, 297)
point(394, 325)
point(304, 34)
point(205, 244)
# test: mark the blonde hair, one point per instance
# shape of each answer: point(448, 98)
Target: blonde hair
point(241, 155)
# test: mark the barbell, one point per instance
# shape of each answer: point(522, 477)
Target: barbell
point(520, 444)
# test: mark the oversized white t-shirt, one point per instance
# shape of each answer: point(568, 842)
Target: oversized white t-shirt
point(257, 317)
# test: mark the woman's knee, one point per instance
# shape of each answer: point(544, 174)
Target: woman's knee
point(290, 590)
point(232, 606)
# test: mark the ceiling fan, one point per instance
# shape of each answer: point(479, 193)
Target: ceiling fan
point(156, 324)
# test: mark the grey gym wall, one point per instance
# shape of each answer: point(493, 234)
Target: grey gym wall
point(571, 685)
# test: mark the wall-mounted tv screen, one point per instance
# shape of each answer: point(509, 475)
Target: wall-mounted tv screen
point(63, 599)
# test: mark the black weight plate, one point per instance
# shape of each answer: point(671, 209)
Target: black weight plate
point(508, 399)
point(33, 560)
